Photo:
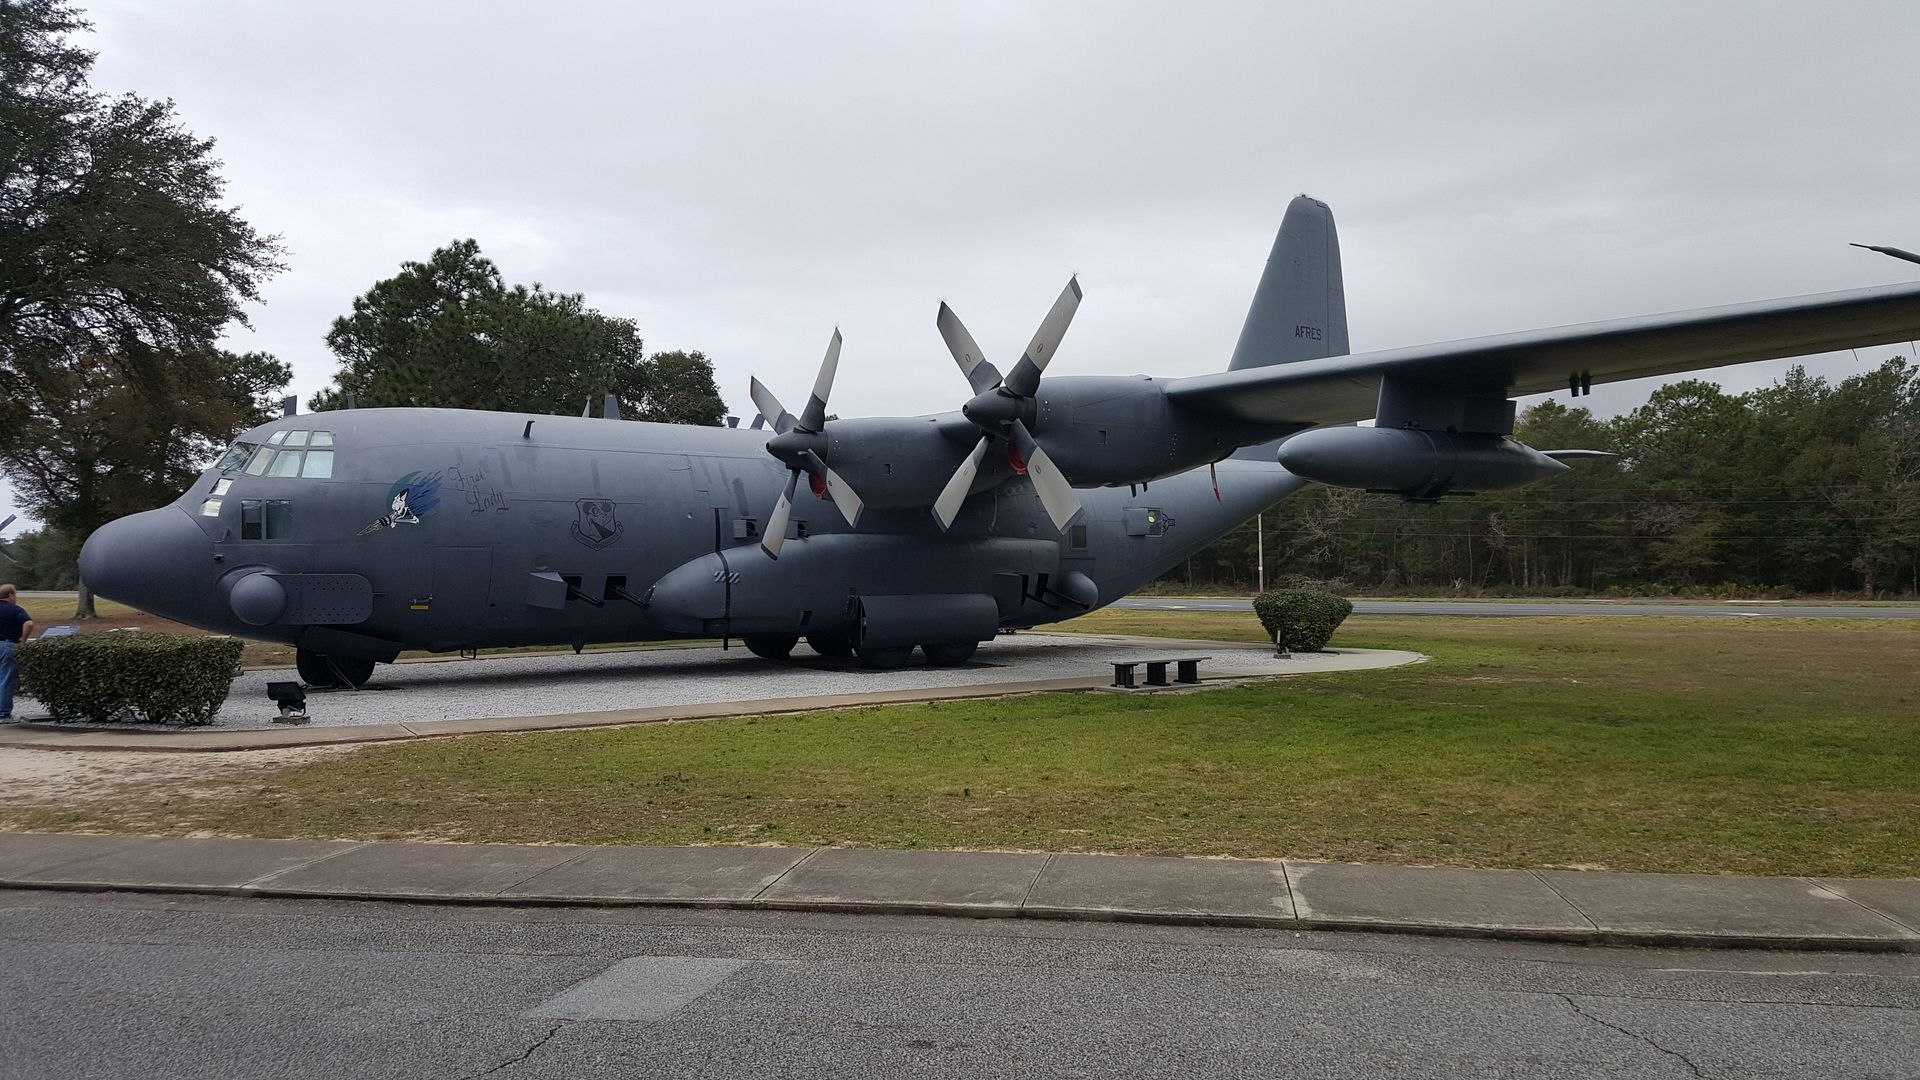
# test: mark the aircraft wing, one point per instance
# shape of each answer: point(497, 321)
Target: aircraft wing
point(1342, 389)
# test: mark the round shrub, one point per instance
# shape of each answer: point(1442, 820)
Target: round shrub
point(159, 678)
point(1301, 620)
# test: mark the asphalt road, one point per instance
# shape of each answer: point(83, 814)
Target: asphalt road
point(204, 987)
point(1734, 609)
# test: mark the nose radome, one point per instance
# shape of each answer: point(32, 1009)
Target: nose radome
point(157, 561)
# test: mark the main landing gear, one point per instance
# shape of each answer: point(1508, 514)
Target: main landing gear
point(840, 646)
point(771, 646)
point(323, 672)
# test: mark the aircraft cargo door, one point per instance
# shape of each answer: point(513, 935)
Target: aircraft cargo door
point(462, 587)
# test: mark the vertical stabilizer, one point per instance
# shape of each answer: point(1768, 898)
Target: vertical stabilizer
point(1300, 309)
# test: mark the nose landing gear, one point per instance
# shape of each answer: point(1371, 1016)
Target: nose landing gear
point(323, 672)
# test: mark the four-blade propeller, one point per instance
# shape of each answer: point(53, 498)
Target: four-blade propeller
point(798, 442)
point(1002, 407)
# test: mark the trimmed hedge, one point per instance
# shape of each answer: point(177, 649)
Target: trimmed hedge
point(128, 677)
point(1301, 620)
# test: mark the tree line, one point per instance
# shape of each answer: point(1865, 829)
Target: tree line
point(1805, 486)
point(122, 270)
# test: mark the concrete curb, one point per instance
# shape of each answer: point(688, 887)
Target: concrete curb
point(49, 736)
point(1572, 907)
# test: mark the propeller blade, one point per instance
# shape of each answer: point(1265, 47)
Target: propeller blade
point(775, 534)
point(1574, 455)
point(814, 416)
point(947, 506)
point(777, 415)
point(1024, 379)
point(1055, 492)
point(981, 374)
point(838, 490)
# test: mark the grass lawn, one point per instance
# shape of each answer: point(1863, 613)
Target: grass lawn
point(1752, 746)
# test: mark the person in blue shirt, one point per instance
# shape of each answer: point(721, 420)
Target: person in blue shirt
point(15, 627)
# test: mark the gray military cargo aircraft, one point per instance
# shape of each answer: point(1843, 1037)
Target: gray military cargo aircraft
point(355, 534)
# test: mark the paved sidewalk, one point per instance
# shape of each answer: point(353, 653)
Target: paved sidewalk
point(50, 736)
point(1549, 905)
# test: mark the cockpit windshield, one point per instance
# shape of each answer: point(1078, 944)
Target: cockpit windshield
point(286, 454)
point(236, 459)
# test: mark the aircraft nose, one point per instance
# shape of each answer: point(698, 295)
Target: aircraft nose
point(147, 560)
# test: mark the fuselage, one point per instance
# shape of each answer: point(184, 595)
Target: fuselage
point(365, 532)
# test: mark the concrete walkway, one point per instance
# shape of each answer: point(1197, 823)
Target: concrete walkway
point(1549, 905)
point(1234, 663)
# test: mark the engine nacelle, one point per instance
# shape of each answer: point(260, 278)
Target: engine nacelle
point(1417, 465)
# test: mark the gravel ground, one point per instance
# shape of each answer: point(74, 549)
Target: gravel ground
point(552, 683)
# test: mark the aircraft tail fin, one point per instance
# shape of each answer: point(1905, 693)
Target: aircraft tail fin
point(1300, 309)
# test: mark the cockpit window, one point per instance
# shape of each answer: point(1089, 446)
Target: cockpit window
point(236, 459)
point(287, 454)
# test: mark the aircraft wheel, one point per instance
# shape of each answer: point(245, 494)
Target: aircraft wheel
point(886, 659)
point(949, 655)
point(835, 645)
point(324, 672)
point(771, 646)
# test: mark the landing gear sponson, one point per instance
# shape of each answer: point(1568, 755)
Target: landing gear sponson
point(883, 658)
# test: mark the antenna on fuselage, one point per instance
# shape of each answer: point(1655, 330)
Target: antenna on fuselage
point(1898, 253)
point(611, 410)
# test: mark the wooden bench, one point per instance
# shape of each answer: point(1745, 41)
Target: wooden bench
point(1187, 671)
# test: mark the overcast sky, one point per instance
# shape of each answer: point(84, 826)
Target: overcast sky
point(740, 178)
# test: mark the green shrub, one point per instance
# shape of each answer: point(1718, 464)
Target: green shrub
point(160, 678)
point(1301, 620)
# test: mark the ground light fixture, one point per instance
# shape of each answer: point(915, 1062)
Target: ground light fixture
point(292, 699)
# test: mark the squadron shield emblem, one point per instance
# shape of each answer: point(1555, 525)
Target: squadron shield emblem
point(597, 524)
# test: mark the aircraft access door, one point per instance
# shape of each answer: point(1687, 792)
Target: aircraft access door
point(462, 587)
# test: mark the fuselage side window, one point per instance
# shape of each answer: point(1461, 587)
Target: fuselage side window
point(266, 519)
